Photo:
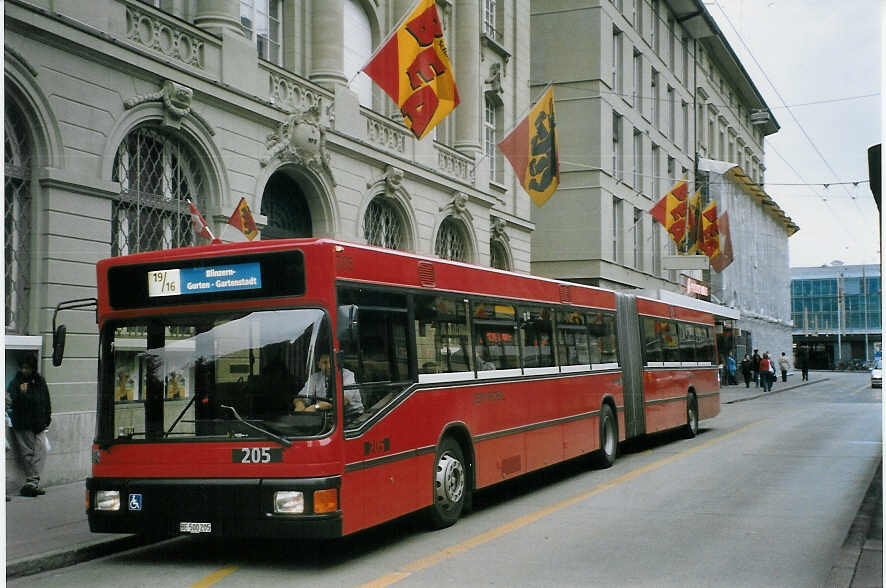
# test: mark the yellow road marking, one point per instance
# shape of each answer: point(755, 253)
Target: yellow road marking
point(861, 389)
point(215, 577)
point(453, 550)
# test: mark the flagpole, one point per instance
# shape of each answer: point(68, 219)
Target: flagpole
point(393, 32)
point(519, 119)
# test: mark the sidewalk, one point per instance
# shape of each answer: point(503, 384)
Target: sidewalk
point(51, 531)
point(738, 393)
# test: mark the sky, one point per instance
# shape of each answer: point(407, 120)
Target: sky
point(799, 52)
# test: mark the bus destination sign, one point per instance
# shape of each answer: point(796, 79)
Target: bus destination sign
point(202, 280)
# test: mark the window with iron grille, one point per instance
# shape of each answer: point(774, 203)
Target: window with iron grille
point(157, 173)
point(382, 225)
point(498, 256)
point(17, 219)
point(260, 21)
point(451, 241)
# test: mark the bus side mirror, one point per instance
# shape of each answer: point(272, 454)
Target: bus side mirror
point(347, 326)
point(58, 345)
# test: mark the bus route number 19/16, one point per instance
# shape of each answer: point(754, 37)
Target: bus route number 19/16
point(257, 455)
point(164, 283)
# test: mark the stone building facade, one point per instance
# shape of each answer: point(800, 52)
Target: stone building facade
point(119, 110)
point(644, 89)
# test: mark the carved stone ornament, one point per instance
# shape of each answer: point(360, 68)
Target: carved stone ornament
point(176, 100)
point(493, 82)
point(390, 184)
point(300, 139)
point(393, 180)
point(458, 206)
point(497, 228)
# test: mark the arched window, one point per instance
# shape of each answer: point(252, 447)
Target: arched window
point(284, 204)
point(157, 172)
point(498, 255)
point(17, 218)
point(358, 48)
point(382, 225)
point(452, 243)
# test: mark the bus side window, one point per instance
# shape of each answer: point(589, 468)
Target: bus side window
point(687, 342)
point(536, 334)
point(670, 344)
point(441, 335)
point(379, 357)
point(704, 337)
point(602, 331)
point(495, 342)
point(651, 341)
point(572, 338)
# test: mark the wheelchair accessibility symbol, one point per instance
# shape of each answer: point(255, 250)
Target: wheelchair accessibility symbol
point(135, 502)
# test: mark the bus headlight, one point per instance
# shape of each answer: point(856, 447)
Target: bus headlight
point(107, 500)
point(289, 502)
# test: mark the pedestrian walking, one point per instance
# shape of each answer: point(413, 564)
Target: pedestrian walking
point(30, 412)
point(746, 370)
point(730, 370)
point(766, 372)
point(784, 365)
point(755, 367)
point(803, 363)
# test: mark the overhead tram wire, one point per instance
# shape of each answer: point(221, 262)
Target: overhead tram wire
point(783, 101)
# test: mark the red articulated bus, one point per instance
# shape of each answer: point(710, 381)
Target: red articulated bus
point(314, 388)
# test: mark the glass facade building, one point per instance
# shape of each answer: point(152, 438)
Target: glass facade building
point(836, 314)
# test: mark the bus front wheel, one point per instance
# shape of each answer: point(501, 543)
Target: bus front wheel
point(450, 484)
point(608, 438)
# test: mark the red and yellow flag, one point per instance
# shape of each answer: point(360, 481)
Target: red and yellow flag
point(709, 237)
point(412, 66)
point(670, 211)
point(720, 261)
point(531, 147)
point(242, 220)
point(198, 223)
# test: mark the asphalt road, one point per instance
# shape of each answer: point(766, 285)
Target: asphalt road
point(764, 496)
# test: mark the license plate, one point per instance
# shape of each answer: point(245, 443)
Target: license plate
point(195, 527)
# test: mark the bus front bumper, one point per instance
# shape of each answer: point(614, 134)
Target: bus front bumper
point(219, 507)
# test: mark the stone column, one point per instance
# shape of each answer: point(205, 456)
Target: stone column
point(327, 43)
point(466, 62)
point(215, 16)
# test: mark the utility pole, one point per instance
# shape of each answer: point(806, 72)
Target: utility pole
point(840, 318)
point(864, 282)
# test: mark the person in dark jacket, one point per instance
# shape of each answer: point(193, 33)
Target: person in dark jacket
point(746, 370)
point(30, 410)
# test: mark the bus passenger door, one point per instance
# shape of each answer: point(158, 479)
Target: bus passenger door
point(383, 477)
point(631, 360)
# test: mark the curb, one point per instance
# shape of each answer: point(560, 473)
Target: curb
point(746, 398)
point(27, 566)
point(844, 569)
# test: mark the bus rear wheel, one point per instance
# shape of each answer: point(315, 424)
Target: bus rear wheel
point(690, 430)
point(450, 484)
point(608, 451)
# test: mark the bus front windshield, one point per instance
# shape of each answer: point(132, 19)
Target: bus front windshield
point(227, 376)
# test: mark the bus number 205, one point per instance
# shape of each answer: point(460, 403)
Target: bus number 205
point(257, 455)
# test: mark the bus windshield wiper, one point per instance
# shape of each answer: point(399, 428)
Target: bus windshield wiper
point(265, 432)
point(181, 414)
